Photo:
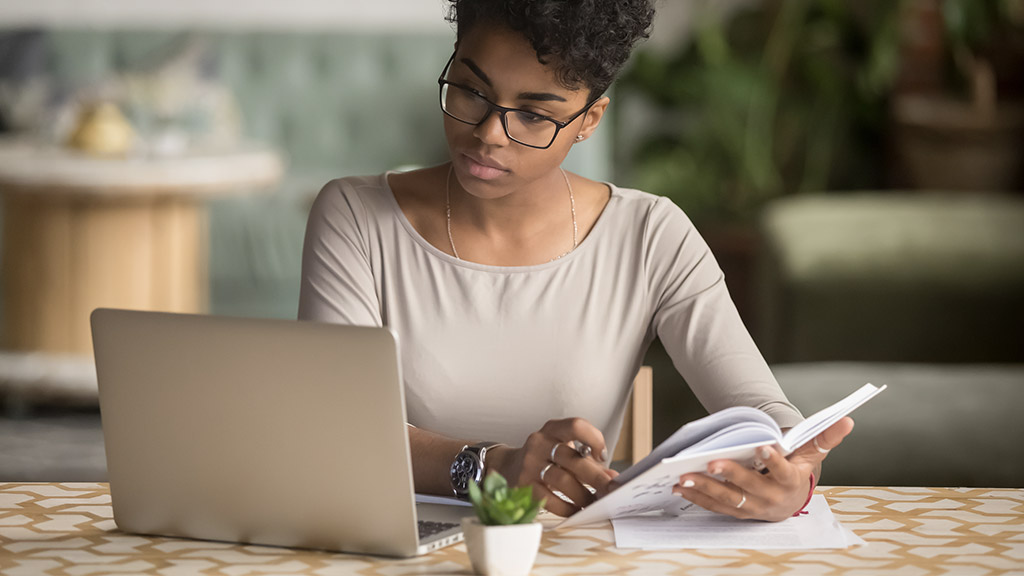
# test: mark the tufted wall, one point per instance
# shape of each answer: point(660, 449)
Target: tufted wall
point(335, 103)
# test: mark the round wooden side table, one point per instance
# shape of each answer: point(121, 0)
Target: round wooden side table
point(82, 232)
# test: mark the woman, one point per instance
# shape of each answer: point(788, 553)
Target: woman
point(524, 297)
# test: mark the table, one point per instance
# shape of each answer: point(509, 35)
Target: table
point(67, 528)
point(81, 232)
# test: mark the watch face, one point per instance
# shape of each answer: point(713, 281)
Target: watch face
point(465, 469)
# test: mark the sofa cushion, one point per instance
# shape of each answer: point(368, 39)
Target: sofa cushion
point(925, 277)
point(948, 425)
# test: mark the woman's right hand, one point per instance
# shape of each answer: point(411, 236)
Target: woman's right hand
point(548, 462)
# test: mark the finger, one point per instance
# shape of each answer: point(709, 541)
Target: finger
point(830, 438)
point(716, 496)
point(584, 470)
point(833, 435)
point(578, 430)
point(557, 478)
point(781, 470)
point(747, 479)
point(552, 502)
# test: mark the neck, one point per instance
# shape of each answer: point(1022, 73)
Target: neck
point(517, 223)
point(523, 212)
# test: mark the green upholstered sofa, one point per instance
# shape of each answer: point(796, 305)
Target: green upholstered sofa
point(922, 291)
point(889, 276)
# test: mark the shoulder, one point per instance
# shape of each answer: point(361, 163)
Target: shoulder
point(667, 240)
point(653, 212)
point(366, 201)
point(352, 193)
point(355, 206)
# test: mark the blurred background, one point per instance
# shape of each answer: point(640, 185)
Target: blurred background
point(856, 167)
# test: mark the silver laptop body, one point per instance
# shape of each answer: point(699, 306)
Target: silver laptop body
point(259, 431)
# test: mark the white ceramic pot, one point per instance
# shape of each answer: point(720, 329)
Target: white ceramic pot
point(501, 550)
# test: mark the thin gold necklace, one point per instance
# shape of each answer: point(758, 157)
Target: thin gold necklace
point(448, 214)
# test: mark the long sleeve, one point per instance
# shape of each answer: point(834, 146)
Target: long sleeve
point(697, 322)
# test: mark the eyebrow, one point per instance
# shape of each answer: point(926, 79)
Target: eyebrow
point(536, 96)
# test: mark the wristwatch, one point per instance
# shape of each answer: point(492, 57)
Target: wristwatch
point(468, 466)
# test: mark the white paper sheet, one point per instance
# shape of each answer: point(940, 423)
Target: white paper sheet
point(695, 527)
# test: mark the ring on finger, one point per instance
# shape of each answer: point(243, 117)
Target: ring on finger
point(545, 470)
point(553, 450)
point(818, 446)
point(743, 499)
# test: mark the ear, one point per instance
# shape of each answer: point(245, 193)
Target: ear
point(593, 117)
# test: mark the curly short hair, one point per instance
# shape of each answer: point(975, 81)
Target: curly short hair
point(587, 41)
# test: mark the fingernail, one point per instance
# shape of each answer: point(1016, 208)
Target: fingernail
point(765, 453)
point(689, 484)
point(604, 455)
point(716, 470)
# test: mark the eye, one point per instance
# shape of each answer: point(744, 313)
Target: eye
point(531, 118)
point(472, 91)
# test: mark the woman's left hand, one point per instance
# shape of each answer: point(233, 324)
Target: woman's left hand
point(774, 496)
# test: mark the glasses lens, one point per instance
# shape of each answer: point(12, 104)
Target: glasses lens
point(530, 129)
point(462, 104)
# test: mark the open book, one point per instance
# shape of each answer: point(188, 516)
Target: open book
point(733, 434)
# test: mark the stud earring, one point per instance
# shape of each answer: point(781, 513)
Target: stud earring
point(579, 137)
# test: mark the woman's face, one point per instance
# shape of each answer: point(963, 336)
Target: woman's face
point(501, 66)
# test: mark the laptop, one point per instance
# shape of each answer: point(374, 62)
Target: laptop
point(261, 431)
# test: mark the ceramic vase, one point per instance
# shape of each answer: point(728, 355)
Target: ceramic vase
point(501, 550)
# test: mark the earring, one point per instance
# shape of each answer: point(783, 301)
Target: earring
point(579, 137)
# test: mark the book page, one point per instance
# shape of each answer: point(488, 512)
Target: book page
point(736, 435)
point(817, 423)
point(694, 432)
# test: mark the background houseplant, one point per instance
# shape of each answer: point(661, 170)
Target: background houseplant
point(959, 115)
point(503, 538)
point(780, 97)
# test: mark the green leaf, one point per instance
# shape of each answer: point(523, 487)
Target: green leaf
point(493, 483)
point(498, 504)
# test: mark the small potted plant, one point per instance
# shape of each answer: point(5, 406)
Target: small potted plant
point(502, 539)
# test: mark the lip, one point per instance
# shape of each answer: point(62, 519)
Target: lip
point(484, 167)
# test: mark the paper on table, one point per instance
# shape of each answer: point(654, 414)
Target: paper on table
point(695, 527)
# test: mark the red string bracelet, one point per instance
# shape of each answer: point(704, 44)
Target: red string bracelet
point(810, 493)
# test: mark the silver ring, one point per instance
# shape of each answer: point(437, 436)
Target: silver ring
point(545, 471)
point(553, 450)
point(743, 500)
point(818, 447)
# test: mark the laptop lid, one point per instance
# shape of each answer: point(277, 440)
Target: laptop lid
point(252, 430)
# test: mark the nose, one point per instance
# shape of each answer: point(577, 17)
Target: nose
point(491, 130)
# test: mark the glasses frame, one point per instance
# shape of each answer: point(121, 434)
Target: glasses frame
point(502, 110)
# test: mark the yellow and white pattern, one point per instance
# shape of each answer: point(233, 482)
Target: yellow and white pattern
point(67, 528)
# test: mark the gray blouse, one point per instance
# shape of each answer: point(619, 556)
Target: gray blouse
point(492, 352)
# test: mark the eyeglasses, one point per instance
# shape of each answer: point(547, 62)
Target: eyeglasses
point(470, 107)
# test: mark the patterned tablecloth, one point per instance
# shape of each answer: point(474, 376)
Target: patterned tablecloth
point(68, 529)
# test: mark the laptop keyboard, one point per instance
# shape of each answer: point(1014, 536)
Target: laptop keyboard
point(429, 528)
